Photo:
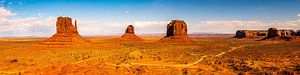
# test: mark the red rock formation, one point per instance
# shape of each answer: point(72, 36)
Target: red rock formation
point(66, 34)
point(130, 29)
point(177, 28)
point(264, 33)
point(176, 32)
point(250, 33)
point(275, 34)
point(129, 35)
point(272, 32)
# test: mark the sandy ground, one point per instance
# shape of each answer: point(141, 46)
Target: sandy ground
point(207, 55)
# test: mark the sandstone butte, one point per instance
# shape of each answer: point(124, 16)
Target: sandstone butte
point(66, 34)
point(129, 35)
point(176, 32)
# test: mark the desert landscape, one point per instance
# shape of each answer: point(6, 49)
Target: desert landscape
point(67, 52)
point(149, 37)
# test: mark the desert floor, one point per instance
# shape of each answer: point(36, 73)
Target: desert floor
point(207, 55)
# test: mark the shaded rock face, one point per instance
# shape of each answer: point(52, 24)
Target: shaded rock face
point(66, 34)
point(298, 33)
point(272, 32)
point(176, 32)
point(240, 34)
point(130, 29)
point(129, 35)
point(275, 34)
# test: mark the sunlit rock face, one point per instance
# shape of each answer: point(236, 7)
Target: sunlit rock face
point(64, 25)
point(250, 33)
point(176, 32)
point(66, 33)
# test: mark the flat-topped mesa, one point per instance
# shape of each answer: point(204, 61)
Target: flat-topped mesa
point(275, 34)
point(176, 32)
point(129, 34)
point(66, 33)
point(250, 33)
point(263, 33)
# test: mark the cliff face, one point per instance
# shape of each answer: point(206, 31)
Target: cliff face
point(250, 33)
point(66, 33)
point(272, 32)
point(129, 35)
point(176, 32)
point(64, 25)
point(176, 28)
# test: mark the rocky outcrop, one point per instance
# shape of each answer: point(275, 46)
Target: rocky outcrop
point(130, 29)
point(286, 33)
point(275, 34)
point(250, 33)
point(129, 35)
point(177, 28)
point(176, 32)
point(66, 34)
point(272, 32)
point(263, 33)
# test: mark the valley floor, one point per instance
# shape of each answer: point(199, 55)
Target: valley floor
point(207, 55)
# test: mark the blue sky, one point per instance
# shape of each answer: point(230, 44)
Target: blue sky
point(150, 16)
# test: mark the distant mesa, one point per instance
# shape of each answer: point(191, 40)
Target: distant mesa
point(176, 32)
point(275, 34)
point(129, 34)
point(250, 33)
point(67, 33)
point(270, 34)
point(262, 33)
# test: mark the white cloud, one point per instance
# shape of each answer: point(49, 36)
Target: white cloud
point(230, 26)
point(298, 15)
point(89, 27)
point(224, 26)
point(10, 25)
point(5, 13)
point(236, 22)
point(144, 27)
